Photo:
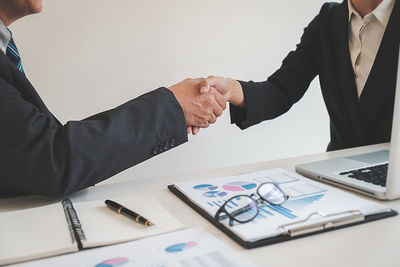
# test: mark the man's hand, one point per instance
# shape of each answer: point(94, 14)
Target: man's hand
point(230, 89)
point(194, 129)
point(200, 109)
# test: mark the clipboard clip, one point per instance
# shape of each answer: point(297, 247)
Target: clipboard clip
point(328, 221)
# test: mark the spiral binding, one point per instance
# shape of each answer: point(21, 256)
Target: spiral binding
point(75, 227)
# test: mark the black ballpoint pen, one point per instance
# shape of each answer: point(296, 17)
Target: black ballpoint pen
point(118, 208)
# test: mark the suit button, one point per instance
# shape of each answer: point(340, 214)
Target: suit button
point(155, 150)
point(172, 142)
point(166, 145)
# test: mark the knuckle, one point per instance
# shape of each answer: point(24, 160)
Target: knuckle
point(211, 99)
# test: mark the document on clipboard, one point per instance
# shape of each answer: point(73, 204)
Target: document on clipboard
point(312, 207)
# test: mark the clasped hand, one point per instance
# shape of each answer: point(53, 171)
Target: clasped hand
point(204, 100)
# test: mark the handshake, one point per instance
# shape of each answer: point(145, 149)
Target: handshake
point(204, 100)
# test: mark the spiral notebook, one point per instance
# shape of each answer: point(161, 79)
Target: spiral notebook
point(312, 207)
point(69, 227)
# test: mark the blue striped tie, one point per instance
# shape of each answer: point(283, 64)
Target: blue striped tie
point(12, 53)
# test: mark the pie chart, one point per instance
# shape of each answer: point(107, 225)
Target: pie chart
point(180, 247)
point(205, 187)
point(239, 186)
point(113, 262)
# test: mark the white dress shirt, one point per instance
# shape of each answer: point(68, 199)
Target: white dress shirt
point(5, 37)
point(365, 36)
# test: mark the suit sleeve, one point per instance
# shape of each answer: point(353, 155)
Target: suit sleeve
point(40, 156)
point(275, 96)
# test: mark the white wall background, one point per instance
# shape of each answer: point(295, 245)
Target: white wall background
point(86, 56)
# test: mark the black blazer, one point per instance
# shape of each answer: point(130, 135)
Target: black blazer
point(39, 155)
point(324, 51)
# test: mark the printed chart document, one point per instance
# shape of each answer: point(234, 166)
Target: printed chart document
point(305, 198)
point(65, 227)
point(187, 248)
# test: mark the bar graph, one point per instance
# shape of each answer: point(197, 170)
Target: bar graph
point(219, 203)
point(266, 210)
point(288, 209)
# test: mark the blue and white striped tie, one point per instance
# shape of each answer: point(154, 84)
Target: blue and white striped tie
point(12, 53)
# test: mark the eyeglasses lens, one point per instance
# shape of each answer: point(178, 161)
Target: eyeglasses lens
point(272, 194)
point(242, 208)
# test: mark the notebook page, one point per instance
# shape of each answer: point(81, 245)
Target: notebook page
point(34, 233)
point(102, 226)
point(189, 247)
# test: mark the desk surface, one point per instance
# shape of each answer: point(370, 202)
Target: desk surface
point(371, 244)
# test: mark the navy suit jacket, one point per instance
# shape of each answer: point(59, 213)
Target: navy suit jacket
point(39, 155)
point(324, 51)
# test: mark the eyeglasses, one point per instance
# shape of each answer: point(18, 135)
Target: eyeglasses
point(244, 208)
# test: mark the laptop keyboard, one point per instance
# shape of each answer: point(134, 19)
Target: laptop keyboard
point(374, 174)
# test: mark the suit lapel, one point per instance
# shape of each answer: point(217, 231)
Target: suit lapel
point(5, 68)
point(380, 86)
point(347, 92)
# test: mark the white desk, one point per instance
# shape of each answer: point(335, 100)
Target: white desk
point(371, 244)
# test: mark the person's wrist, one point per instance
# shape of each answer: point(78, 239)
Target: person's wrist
point(237, 97)
point(174, 90)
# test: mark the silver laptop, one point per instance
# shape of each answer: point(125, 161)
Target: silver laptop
point(376, 174)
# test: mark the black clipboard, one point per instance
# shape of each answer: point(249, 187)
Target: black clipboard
point(280, 238)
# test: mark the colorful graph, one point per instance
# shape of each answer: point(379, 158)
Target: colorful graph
point(205, 187)
point(219, 203)
point(280, 210)
point(180, 247)
point(113, 262)
point(287, 208)
point(214, 194)
point(210, 190)
point(239, 186)
point(265, 210)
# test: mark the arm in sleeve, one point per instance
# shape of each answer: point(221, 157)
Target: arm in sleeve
point(270, 99)
point(40, 156)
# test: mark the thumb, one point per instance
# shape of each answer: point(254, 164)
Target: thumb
point(204, 86)
point(211, 82)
